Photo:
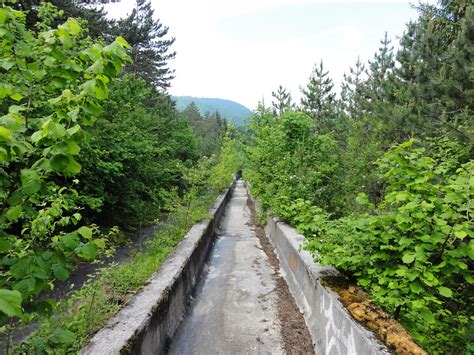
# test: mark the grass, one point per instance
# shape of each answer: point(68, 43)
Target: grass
point(80, 316)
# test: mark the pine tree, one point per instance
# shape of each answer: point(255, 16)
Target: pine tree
point(150, 48)
point(383, 106)
point(191, 112)
point(352, 91)
point(282, 101)
point(318, 99)
point(380, 71)
point(440, 92)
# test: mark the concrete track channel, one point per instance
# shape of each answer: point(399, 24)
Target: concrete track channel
point(235, 304)
point(227, 288)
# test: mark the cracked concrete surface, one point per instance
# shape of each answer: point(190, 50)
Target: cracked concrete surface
point(235, 305)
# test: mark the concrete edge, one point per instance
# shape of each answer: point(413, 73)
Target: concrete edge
point(332, 328)
point(149, 320)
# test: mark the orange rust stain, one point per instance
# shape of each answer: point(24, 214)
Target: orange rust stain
point(293, 261)
point(359, 305)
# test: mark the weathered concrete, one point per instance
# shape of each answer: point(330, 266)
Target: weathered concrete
point(234, 310)
point(147, 323)
point(234, 307)
point(332, 328)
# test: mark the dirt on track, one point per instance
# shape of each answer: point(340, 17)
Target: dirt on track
point(294, 332)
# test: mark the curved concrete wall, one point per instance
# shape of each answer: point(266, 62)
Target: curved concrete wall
point(147, 323)
point(332, 328)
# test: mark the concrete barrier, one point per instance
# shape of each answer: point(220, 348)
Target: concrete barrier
point(332, 328)
point(147, 323)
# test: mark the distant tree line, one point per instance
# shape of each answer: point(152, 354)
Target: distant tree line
point(208, 129)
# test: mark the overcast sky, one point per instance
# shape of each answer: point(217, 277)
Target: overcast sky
point(242, 50)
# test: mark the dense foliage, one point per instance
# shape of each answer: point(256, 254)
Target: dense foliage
point(381, 181)
point(52, 83)
point(93, 19)
point(208, 129)
point(88, 309)
point(139, 144)
point(90, 140)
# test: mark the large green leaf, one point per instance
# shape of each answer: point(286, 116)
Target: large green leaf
point(5, 245)
point(362, 199)
point(10, 302)
point(444, 291)
point(25, 286)
point(408, 258)
point(70, 241)
point(65, 164)
point(87, 251)
point(13, 213)
point(5, 133)
point(60, 272)
point(74, 27)
point(86, 232)
point(20, 269)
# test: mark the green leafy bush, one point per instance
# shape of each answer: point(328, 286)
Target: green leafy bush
point(412, 250)
point(52, 83)
point(132, 156)
point(289, 159)
point(80, 316)
point(231, 160)
point(392, 214)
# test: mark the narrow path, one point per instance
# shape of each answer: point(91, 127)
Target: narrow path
point(237, 305)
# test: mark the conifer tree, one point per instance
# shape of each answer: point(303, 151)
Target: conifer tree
point(352, 94)
point(440, 91)
point(282, 101)
point(380, 71)
point(383, 107)
point(318, 98)
point(151, 46)
point(191, 112)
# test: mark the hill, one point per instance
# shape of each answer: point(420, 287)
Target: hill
point(231, 110)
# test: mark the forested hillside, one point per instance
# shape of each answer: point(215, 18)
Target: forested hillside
point(381, 180)
point(227, 109)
